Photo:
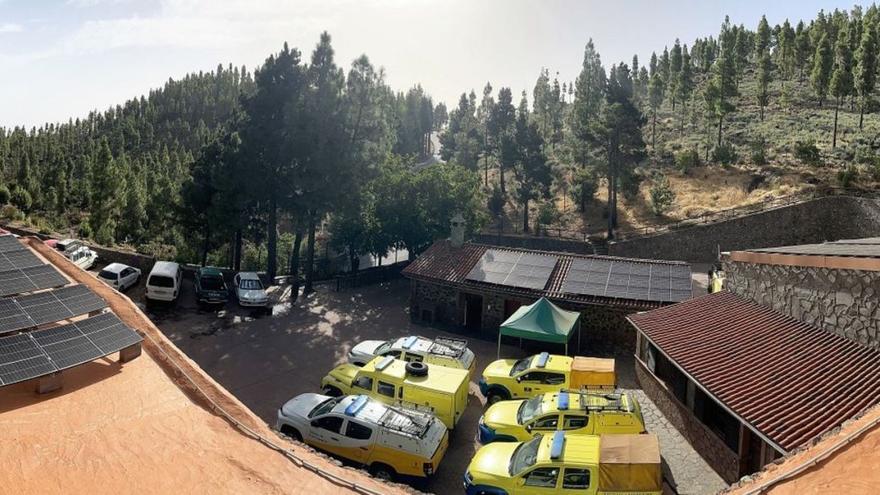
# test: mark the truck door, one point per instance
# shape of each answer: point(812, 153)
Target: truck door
point(540, 382)
point(577, 422)
point(358, 441)
point(538, 481)
point(325, 433)
point(545, 424)
point(576, 481)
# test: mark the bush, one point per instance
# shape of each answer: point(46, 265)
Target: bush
point(495, 201)
point(759, 152)
point(874, 169)
point(807, 152)
point(4, 195)
point(583, 188)
point(725, 154)
point(85, 230)
point(687, 160)
point(848, 176)
point(662, 196)
point(21, 199)
point(547, 214)
point(630, 181)
point(9, 212)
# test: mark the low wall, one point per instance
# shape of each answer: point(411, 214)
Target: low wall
point(840, 301)
point(711, 448)
point(535, 242)
point(824, 219)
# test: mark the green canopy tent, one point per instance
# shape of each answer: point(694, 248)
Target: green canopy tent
point(542, 321)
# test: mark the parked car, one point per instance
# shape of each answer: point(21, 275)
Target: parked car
point(65, 245)
point(534, 375)
point(388, 440)
point(210, 286)
point(120, 276)
point(440, 390)
point(249, 290)
point(583, 413)
point(163, 284)
point(442, 351)
point(563, 463)
point(81, 256)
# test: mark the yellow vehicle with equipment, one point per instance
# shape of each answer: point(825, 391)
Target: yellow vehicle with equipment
point(542, 373)
point(562, 463)
point(439, 390)
point(388, 440)
point(583, 413)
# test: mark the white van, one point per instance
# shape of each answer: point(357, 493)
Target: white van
point(163, 284)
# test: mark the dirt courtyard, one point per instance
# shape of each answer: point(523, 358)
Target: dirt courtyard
point(264, 360)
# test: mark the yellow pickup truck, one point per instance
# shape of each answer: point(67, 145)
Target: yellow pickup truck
point(542, 373)
point(439, 390)
point(564, 463)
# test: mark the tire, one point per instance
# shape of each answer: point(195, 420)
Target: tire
point(417, 369)
point(332, 391)
point(382, 471)
point(496, 395)
point(291, 432)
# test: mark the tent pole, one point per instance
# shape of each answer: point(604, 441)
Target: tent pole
point(566, 348)
point(579, 335)
point(499, 345)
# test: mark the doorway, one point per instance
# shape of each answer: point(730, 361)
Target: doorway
point(473, 312)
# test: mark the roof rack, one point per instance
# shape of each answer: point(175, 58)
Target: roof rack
point(615, 402)
point(447, 346)
point(405, 422)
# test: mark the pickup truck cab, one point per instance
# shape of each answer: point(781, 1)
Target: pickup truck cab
point(210, 286)
point(389, 441)
point(435, 389)
point(563, 463)
point(583, 413)
point(442, 351)
point(542, 373)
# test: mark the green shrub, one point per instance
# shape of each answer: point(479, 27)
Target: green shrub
point(630, 181)
point(85, 230)
point(21, 199)
point(687, 160)
point(759, 152)
point(547, 214)
point(662, 196)
point(4, 195)
point(807, 152)
point(848, 176)
point(9, 212)
point(583, 188)
point(725, 154)
point(495, 201)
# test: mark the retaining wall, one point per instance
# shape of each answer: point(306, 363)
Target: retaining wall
point(535, 242)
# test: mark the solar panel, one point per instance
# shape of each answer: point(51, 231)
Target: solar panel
point(12, 317)
point(515, 269)
point(30, 355)
point(46, 307)
point(30, 279)
point(12, 260)
point(626, 279)
point(10, 243)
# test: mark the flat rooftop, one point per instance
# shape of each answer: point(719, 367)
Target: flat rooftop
point(847, 254)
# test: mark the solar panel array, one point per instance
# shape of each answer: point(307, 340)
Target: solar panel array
point(10, 243)
point(628, 280)
point(45, 307)
point(13, 260)
point(30, 355)
point(30, 279)
point(514, 269)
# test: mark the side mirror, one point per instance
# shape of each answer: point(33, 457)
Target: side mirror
point(529, 428)
point(519, 379)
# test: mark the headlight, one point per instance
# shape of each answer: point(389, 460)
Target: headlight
point(468, 478)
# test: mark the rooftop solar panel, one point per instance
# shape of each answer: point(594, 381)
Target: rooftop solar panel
point(30, 279)
point(10, 243)
point(46, 307)
point(628, 280)
point(12, 260)
point(515, 269)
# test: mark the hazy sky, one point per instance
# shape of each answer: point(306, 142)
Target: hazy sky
point(63, 58)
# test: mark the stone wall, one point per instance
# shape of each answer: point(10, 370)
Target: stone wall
point(433, 303)
point(710, 447)
point(844, 302)
point(536, 243)
point(819, 220)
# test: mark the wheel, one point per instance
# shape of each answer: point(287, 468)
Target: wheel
point(332, 391)
point(383, 472)
point(416, 368)
point(496, 396)
point(291, 432)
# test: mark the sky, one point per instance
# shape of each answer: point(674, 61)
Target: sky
point(60, 59)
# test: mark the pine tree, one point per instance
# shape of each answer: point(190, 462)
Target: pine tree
point(764, 75)
point(655, 99)
point(107, 183)
point(841, 78)
point(674, 71)
point(722, 86)
point(685, 84)
point(762, 37)
point(802, 50)
point(822, 64)
point(588, 97)
point(866, 71)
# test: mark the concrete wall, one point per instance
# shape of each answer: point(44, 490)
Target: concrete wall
point(844, 302)
point(819, 220)
point(534, 242)
point(710, 447)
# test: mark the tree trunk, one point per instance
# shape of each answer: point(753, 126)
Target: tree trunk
point(654, 132)
point(501, 177)
point(834, 135)
point(206, 246)
point(236, 253)
point(272, 237)
point(294, 262)
point(720, 124)
point(762, 112)
point(861, 116)
point(310, 255)
point(526, 215)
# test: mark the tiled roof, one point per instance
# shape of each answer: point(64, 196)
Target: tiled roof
point(444, 264)
point(789, 380)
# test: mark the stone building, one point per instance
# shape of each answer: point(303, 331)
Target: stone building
point(474, 287)
point(746, 384)
point(834, 285)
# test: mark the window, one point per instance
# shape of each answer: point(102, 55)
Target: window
point(161, 281)
point(576, 479)
point(553, 378)
point(394, 354)
point(412, 358)
point(385, 389)
point(329, 423)
point(358, 431)
point(542, 477)
point(535, 376)
point(126, 272)
point(364, 382)
point(547, 422)
point(575, 422)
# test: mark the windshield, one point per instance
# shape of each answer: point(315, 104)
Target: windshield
point(324, 407)
point(211, 283)
point(520, 366)
point(529, 409)
point(161, 281)
point(107, 275)
point(525, 455)
point(382, 348)
point(250, 284)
